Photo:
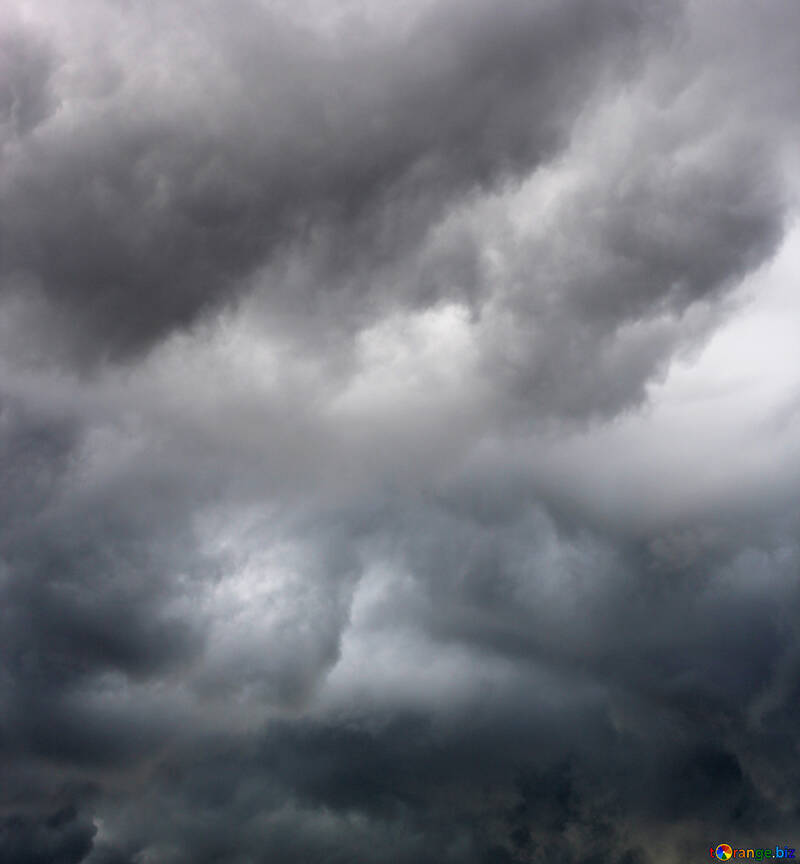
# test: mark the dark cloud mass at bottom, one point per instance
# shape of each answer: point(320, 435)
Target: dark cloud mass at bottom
point(398, 431)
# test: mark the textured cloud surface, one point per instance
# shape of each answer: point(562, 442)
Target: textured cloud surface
point(399, 430)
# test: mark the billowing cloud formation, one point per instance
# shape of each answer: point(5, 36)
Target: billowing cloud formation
point(183, 157)
point(398, 431)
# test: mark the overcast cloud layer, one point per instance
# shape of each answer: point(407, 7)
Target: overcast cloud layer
point(399, 430)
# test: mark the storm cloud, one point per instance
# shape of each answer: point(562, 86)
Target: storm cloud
point(398, 431)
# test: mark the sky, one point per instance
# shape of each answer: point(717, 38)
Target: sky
point(399, 430)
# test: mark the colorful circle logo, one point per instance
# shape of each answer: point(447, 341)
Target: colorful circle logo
point(723, 851)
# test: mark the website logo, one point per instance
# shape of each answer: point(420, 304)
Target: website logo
point(724, 852)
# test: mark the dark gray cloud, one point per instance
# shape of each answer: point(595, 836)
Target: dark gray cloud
point(134, 215)
point(27, 67)
point(398, 431)
point(62, 837)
